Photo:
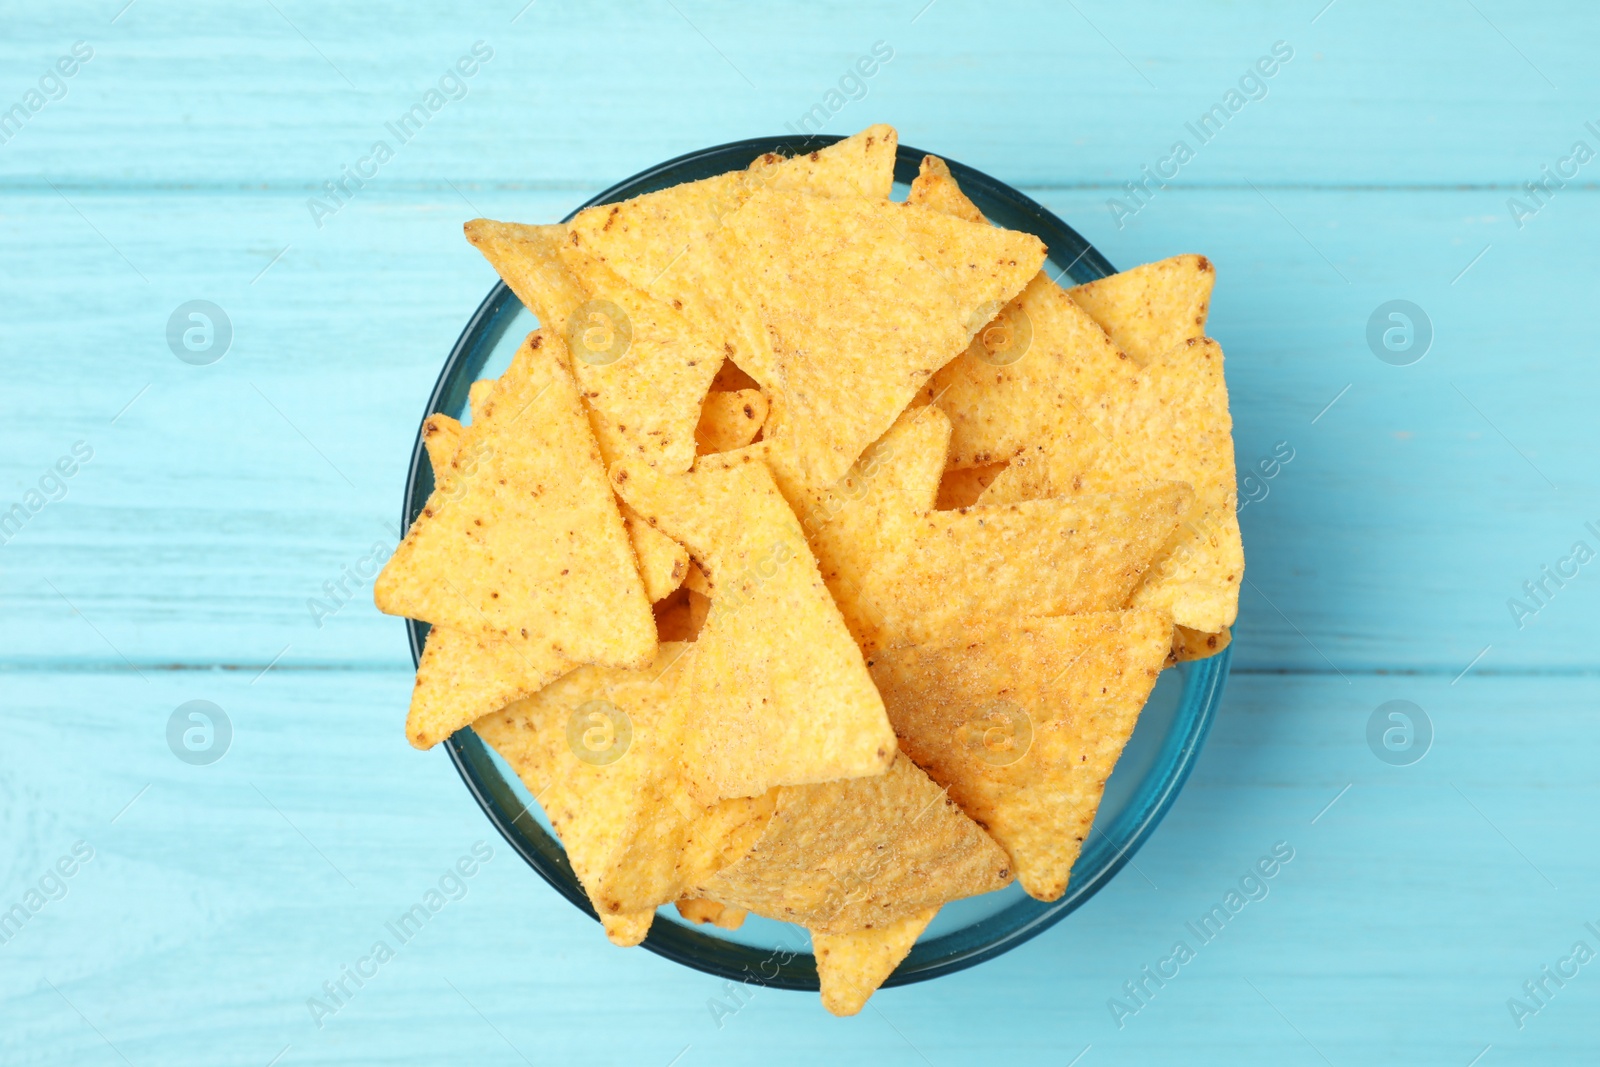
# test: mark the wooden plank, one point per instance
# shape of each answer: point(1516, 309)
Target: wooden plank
point(225, 496)
point(190, 95)
point(217, 903)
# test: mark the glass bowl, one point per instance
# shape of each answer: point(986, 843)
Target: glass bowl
point(1147, 779)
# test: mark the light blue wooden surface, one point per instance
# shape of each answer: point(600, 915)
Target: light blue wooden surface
point(219, 498)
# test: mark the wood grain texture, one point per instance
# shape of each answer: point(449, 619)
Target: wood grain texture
point(1382, 164)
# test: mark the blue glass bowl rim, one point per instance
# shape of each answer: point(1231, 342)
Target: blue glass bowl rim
point(783, 968)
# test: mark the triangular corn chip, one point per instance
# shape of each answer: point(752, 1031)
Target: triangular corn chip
point(842, 856)
point(776, 691)
point(629, 929)
point(600, 749)
point(462, 677)
point(860, 165)
point(642, 369)
point(441, 436)
point(730, 420)
point(1190, 644)
point(863, 301)
point(662, 561)
point(1023, 721)
point(1041, 371)
point(962, 487)
point(1177, 426)
point(661, 242)
point(935, 188)
point(851, 966)
point(1149, 309)
point(480, 394)
point(521, 539)
point(700, 911)
point(526, 258)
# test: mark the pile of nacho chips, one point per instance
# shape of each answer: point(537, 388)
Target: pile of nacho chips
point(816, 555)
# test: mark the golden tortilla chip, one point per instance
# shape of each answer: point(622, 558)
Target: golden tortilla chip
point(701, 911)
point(600, 751)
point(1180, 421)
point(842, 856)
point(480, 394)
point(775, 690)
point(661, 242)
point(663, 563)
point(863, 301)
point(462, 677)
point(441, 436)
point(626, 931)
point(860, 165)
point(522, 540)
point(851, 966)
point(526, 259)
point(730, 420)
point(1041, 371)
point(730, 379)
point(681, 615)
point(1190, 644)
point(642, 369)
point(1023, 719)
point(935, 188)
point(1150, 309)
point(961, 488)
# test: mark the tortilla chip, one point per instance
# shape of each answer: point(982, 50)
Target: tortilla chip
point(1177, 426)
point(642, 369)
point(962, 488)
point(681, 615)
point(480, 394)
point(1150, 309)
point(935, 188)
point(661, 242)
point(609, 790)
point(1026, 477)
point(626, 931)
point(700, 911)
point(526, 259)
point(775, 691)
point(851, 966)
point(1190, 644)
point(863, 301)
point(1041, 372)
point(522, 540)
point(697, 580)
point(860, 165)
point(842, 856)
point(730, 420)
point(441, 436)
point(1023, 719)
point(462, 677)
point(663, 563)
point(730, 379)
